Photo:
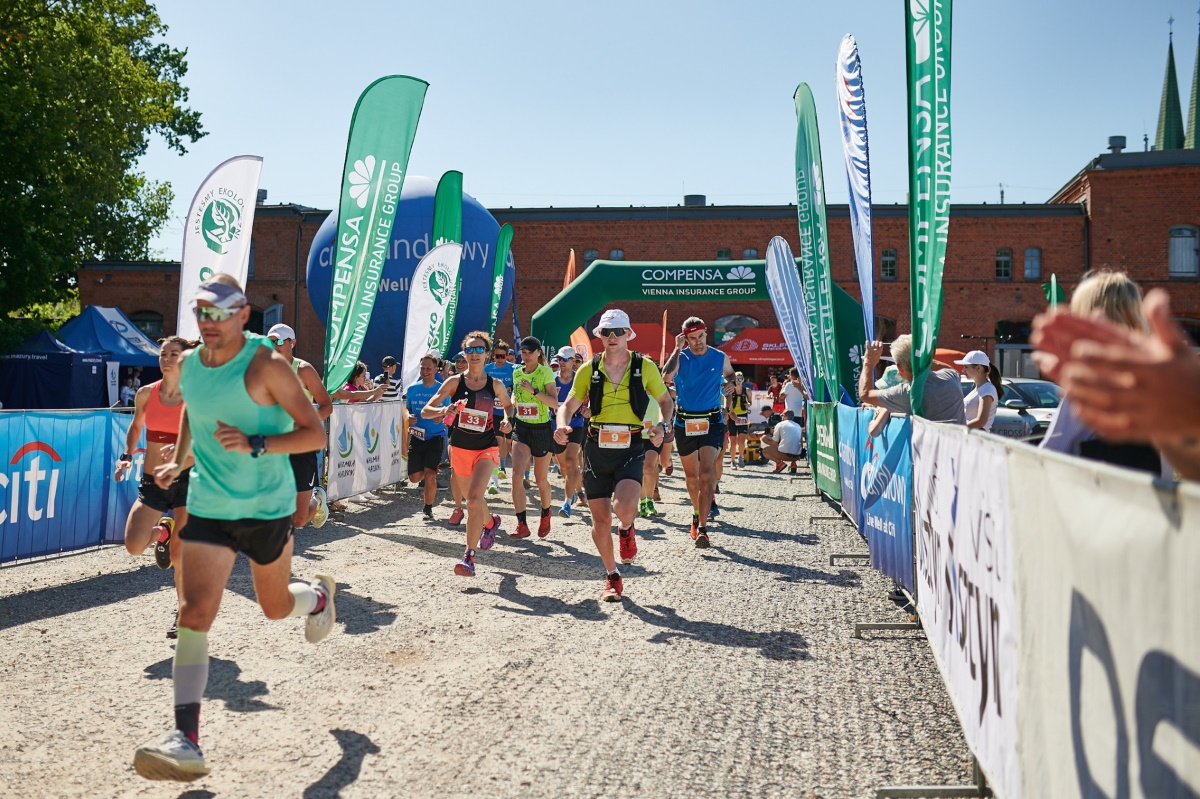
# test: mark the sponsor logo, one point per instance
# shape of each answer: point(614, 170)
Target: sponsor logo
point(741, 273)
point(439, 285)
point(221, 221)
point(745, 345)
point(372, 436)
point(345, 443)
point(922, 29)
point(395, 431)
point(360, 180)
point(39, 502)
point(699, 281)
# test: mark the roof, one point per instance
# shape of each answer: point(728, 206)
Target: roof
point(710, 212)
point(1169, 134)
point(100, 329)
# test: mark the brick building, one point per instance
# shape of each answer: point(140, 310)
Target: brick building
point(1138, 212)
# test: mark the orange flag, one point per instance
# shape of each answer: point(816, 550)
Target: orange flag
point(662, 355)
point(579, 339)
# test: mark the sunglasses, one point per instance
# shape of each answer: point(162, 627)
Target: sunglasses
point(564, 360)
point(612, 332)
point(500, 356)
point(476, 350)
point(741, 380)
point(211, 313)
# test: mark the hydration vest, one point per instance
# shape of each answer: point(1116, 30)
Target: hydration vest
point(639, 400)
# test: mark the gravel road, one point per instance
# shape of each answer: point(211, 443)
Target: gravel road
point(725, 672)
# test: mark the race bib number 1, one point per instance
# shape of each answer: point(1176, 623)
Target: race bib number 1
point(695, 427)
point(615, 437)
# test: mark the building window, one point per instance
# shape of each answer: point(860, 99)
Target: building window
point(616, 255)
point(724, 255)
point(1033, 263)
point(250, 267)
point(167, 278)
point(589, 256)
point(1192, 328)
point(1013, 331)
point(1004, 263)
point(727, 327)
point(887, 264)
point(149, 322)
point(1183, 256)
point(749, 254)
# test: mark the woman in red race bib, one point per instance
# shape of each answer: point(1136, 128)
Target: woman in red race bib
point(535, 395)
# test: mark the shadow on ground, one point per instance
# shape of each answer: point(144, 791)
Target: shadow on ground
point(355, 747)
point(781, 645)
point(224, 683)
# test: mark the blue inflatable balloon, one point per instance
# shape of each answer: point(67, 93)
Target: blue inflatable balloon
point(411, 239)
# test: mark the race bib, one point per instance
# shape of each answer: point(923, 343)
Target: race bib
point(498, 405)
point(527, 410)
point(417, 433)
point(614, 436)
point(695, 427)
point(741, 421)
point(472, 420)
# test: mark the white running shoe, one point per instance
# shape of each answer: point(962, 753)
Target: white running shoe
point(319, 625)
point(322, 514)
point(172, 757)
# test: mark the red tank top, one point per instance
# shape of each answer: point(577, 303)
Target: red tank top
point(162, 421)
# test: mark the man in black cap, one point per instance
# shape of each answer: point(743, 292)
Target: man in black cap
point(388, 378)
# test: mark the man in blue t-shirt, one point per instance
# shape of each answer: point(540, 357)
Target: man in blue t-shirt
point(505, 371)
point(426, 437)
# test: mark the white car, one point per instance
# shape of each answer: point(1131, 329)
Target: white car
point(1027, 406)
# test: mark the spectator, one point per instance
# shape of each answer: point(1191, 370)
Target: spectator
point(794, 395)
point(128, 392)
point(137, 378)
point(980, 405)
point(785, 445)
point(387, 378)
point(943, 396)
point(357, 389)
point(774, 387)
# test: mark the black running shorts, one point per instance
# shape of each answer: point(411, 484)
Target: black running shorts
point(262, 540)
point(603, 469)
point(304, 467)
point(150, 495)
point(686, 445)
point(577, 436)
point(424, 454)
point(538, 437)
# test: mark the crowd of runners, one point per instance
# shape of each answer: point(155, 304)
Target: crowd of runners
point(234, 426)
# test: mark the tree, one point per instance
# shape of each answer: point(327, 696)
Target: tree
point(83, 86)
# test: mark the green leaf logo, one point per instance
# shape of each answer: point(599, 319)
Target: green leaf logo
point(921, 28)
point(221, 224)
point(360, 180)
point(439, 285)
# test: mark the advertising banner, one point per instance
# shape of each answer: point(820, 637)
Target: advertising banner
point(121, 495)
point(965, 588)
point(500, 265)
point(927, 34)
point(758, 401)
point(849, 442)
point(823, 448)
point(112, 371)
point(447, 228)
point(1108, 600)
point(814, 245)
point(366, 447)
point(852, 107)
point(429, 309)
point(216, 235)
point(849, 338)
point(885, 496)
point(787, 300)
point(381, 135)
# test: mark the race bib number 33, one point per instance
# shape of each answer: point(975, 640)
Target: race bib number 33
point(472, 420)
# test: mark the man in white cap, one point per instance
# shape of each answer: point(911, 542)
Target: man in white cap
point(618, 385)
point(311, 502)
point(246, 411)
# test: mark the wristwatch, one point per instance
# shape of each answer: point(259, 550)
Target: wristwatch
point(124, 457)
point(258, 445)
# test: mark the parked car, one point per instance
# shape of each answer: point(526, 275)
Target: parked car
point(1027, 406)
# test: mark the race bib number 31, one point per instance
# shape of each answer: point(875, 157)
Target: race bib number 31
point(527, 410)
point(695, 427)
point(615, 437)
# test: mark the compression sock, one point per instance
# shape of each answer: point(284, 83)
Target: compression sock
point(428, 509)
point(521, 517)
point(545, 511)
point(189, 672)
point(306, 600)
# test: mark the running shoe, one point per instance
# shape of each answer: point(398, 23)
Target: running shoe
point(714, 511)
point(465, 567)
point(322, 515)
point(318, 625)
point(657, 496)
point(779, 467)
point(544, 527)
point(716, 488)
point(456, 517)
point(792, 468)
point(628, 544)
point(670, 469)
point(642, 508)
point(695, 526)
point(522, 531)
point(162, 541)
point(702, 540)
point(503, 475)
point(612, 588)
point(428, 514)
point(171, 757)
point(651, 511)
point(565, 510)
point(493, 489)
point(488, 537)
point(173, 631)
point(525, 482)
point(582, 500)
point(733, 465)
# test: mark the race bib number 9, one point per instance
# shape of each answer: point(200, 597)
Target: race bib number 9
point(695, 427)
point(472, 420)
point(527, 410)
point(615, 437)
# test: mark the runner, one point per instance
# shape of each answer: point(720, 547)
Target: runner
point(534, 396)
point(699, 372)
point(473, 439)
point(570, 455)
point(426, 437)
point(158, 407)
point(618, 385)
point(246, 411)
point(737, 411)
point(653, 464)
point(456, 488)
point(503, 370)
point(312, 505)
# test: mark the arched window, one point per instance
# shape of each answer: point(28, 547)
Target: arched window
point(724, 255)
point(887, 264)
point(149, 322)
point(616, 255)
point(589, 256)
point(749, 254)
point(1004, 263)
point(1033, 263)
point(1182, 255)
point(727, 327)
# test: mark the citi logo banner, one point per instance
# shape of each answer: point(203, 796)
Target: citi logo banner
point(33, 475)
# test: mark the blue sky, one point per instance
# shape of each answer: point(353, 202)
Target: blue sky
point(637, 103)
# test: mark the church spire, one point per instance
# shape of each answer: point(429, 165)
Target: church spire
point(1193, 117)
point(1169, 135)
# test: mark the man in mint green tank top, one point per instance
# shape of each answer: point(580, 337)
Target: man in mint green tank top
point(246, 413)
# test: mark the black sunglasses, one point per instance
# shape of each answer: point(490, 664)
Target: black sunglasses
point(610, 332)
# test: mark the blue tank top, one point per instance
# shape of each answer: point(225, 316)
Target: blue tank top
point(505, 373)
point(698, 381)
point(564, 391)
point(417, 397)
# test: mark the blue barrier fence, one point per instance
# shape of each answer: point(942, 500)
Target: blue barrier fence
point(57, 491)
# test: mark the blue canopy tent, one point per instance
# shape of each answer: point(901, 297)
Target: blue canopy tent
point(99, 329)
point(44, 373)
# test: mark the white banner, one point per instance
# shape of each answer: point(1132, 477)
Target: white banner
point(429, 300)
point(758, 401)
point(787, 300)
point(852, 108)
point(367, 447)
point(965, 588)
point(126, 330)
point(1106, 566)
point(216, 235)
point(112, 378)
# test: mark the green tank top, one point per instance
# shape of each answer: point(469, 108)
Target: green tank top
point(234, 485)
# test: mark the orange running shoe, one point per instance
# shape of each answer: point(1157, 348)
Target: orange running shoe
point(522, 531)
point(627, 544)
point(612, 588)
point(544, 527)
